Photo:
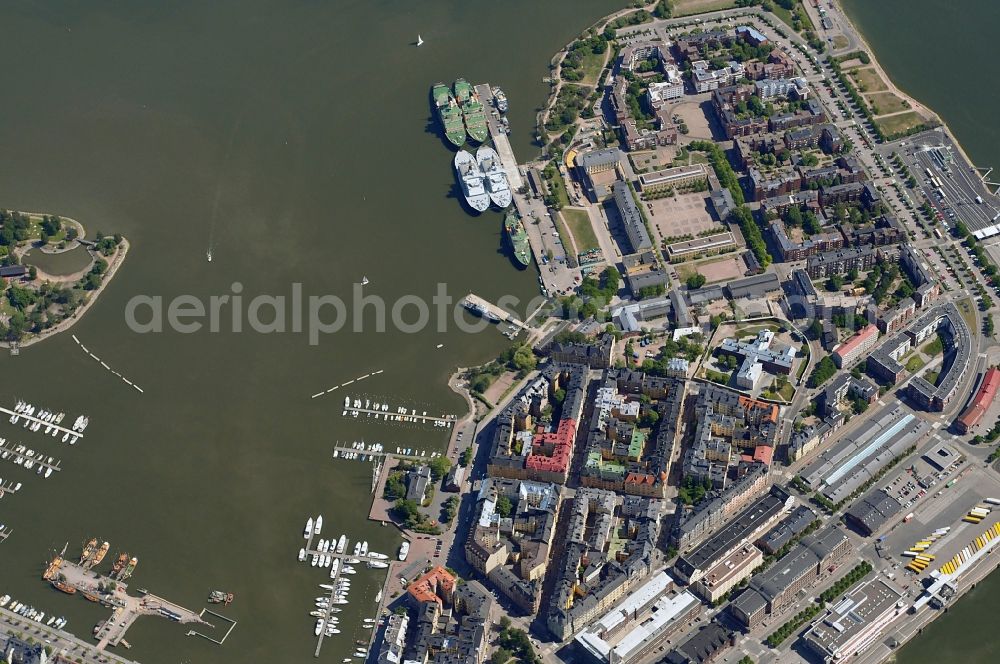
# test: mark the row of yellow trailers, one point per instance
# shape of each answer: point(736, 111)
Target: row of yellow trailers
point(920, 562)
point(963, 556)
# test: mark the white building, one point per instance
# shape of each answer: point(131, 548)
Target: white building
point(671, 88)
point(634, 628)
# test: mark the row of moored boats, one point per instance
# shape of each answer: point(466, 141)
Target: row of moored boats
point(35, 418)
point(31, 613)
point(27, 458)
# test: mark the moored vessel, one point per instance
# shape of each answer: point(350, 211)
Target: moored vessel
point(494, 176)
point(517, 237)
point(473, 112)
point(449, 114)
point(471, 181)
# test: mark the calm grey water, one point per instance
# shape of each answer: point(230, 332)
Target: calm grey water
point(935, 51)
point(291, 137)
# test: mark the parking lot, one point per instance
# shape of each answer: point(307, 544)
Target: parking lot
point(951, 187)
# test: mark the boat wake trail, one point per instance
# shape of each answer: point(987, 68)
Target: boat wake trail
point(105, 365)
point(345, 384)
point(218, 188)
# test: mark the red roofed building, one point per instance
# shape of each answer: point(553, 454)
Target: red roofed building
point(763, 453)
point(551, 454)
point(645, 484)
point(855, 347)
point(980, 403)
point(437, 585)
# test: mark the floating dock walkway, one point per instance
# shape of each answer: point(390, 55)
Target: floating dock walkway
point(504, 317)
point(32, 418)
point(407, 414)
point(105, 364)
point(232, 626)
point(39, 461)
point(350, 382)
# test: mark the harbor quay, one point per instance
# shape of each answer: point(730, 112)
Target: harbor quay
point(73, 578)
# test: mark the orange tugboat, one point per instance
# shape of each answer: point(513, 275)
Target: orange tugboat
point(59, 585)
point(119, 565)
point(88, 550)
point(91, 596)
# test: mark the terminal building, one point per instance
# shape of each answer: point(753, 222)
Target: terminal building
point(855, 621)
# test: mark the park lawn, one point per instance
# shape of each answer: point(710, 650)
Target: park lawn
point(932, 348)
point(914, 364)
point(786, 392)
point(582, 230)
point(868, 80)
point(685, 270)
point(931, 377)
point(558, 188)
point(786, 17)
point(840, 41)
point(591, 65)
point(895, 124)
point(887, 102)
point(691, 7)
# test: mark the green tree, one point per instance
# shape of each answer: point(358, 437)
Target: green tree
point(504, 507)
point(439, 465)
point(501, 656)
point(696, 280)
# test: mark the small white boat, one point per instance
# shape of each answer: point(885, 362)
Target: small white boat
point(364, 547)
point(420, 40)
point(302, 555)
point(319, 525)
point(308, 531)
point(377, 564)
point(319, 627)
point(364, 281)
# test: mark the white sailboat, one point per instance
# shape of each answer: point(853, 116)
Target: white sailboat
point(209, 255)
point(364, 281)
point(420, 40)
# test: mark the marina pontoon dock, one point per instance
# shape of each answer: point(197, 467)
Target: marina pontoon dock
point(348, 554)
point(502, 315)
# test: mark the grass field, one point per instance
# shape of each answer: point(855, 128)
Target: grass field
point(914, 364)
point(840, 41)
point(786, 17)
point(968, 312)
point(591, 65)
point(898, 123)
point(931, 377)
point(558, 189)
point(868, 80)
point(689, 7)
point(887, 102)
point(582, 230)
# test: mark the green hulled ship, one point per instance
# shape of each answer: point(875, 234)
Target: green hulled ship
point(472, 110)
point(449, 114)
point(518, 237)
